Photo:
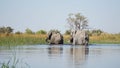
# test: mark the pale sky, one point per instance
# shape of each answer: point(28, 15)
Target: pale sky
point(52, 14)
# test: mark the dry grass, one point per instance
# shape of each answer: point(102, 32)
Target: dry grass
point(106, 38)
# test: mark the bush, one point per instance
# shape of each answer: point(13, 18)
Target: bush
point(41, 32)
point(29, 31)
point(18, 32)
point(67, 32)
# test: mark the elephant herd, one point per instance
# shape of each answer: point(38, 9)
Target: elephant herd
point(78, 37)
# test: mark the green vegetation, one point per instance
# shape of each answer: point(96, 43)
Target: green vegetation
point(41, 32)
point(28, 39)
point(14, 62)
point(22, 39)
point(67, 32)
point(6, 29)
point(7, 37)
point(29, 31)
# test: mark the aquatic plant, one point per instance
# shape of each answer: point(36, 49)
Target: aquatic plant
point(14, 62)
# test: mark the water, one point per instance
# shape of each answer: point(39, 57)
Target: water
point(62, 56)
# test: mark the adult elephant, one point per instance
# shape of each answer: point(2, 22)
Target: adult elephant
point(54, 38)
point(79, 37)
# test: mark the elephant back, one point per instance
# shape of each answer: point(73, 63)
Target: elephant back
point(80, 33)
point(56, 38)
point(80, 37)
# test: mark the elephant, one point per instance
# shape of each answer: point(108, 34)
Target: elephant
point(79, 37)
point(54, 38)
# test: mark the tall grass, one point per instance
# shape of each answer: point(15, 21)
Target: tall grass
point(28, 39)
point(66, 39)
point(14, 62)
point(22, 39)
point(106, 38)
point(10, 63)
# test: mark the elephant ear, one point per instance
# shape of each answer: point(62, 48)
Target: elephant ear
point(49, 35)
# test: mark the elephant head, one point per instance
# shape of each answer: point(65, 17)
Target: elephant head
point(79, 37)
point(54, 38)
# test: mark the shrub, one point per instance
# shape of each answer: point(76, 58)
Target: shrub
point(29, 31)
point(41, 32)
point(67, 32)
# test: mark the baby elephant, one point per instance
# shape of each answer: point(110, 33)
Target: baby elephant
point(54, 38)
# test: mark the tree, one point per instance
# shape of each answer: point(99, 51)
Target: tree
point(9, 30)
point(67, 32)
point(6, 30)
point(29, 31)
point(2, 29)
point(18, 32)
point(77, 21)
point(97, 32)
point(41, 32)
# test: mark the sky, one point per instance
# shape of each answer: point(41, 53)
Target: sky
point(52, 14)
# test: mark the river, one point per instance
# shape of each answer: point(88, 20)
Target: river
point(61, 56)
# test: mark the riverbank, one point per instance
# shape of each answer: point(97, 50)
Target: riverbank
point(31, 39)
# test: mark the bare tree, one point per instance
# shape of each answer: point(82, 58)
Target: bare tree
point(77, 21)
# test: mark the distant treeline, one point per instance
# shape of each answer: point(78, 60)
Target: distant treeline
point(9, 30)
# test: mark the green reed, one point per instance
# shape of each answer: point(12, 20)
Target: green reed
point(14, 62)
point(22, 40)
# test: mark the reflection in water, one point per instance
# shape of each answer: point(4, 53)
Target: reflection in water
point(55, 50)
point(78, 54)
